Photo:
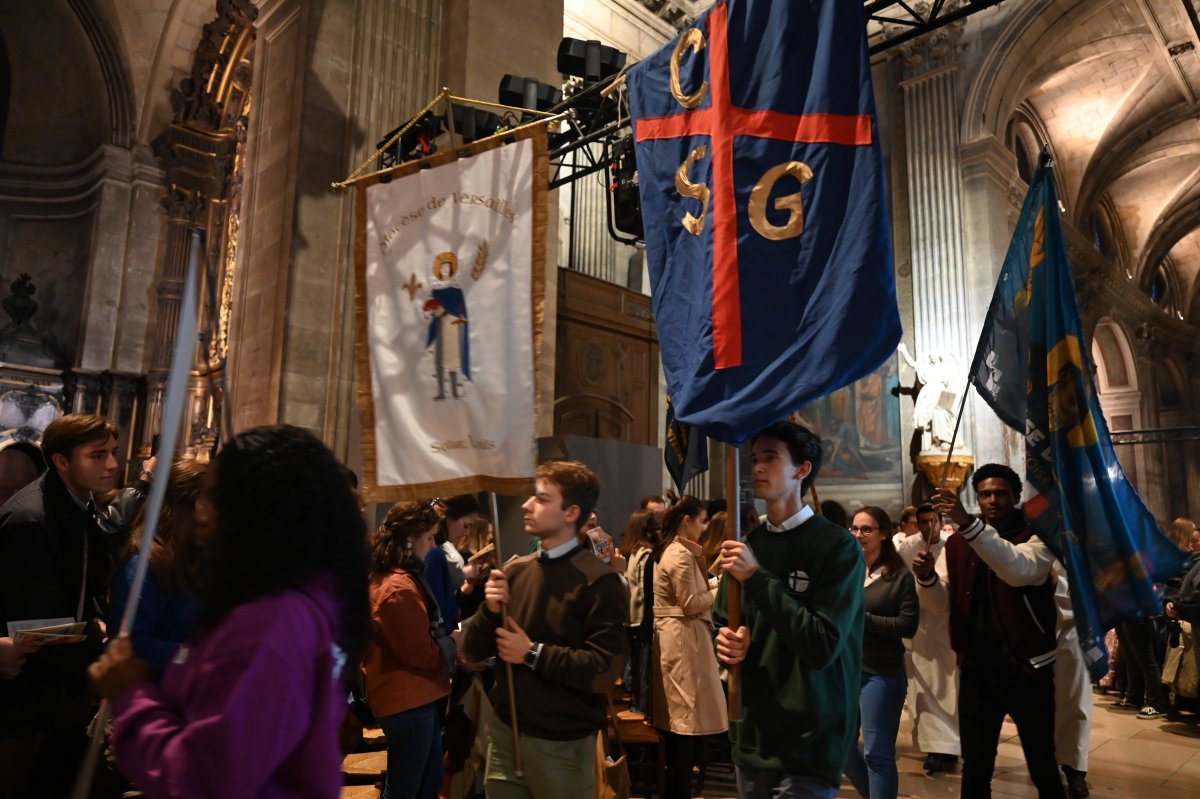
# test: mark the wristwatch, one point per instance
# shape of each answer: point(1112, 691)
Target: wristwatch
point(531, 657)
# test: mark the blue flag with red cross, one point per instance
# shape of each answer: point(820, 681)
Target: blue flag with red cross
point(761, 182)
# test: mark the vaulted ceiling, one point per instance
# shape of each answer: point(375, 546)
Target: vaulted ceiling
point(1113, 86)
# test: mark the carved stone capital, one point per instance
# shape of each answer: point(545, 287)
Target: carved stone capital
point(184, 206)
point(934, 50)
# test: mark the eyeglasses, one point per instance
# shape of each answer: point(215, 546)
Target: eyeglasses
point(863, 529)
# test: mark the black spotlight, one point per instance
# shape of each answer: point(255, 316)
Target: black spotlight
point(589, 59)
point(417, 142)
point(528, 93)
point(626, 201)
point(474, 123)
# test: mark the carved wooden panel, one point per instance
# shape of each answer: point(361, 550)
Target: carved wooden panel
point(606, 377)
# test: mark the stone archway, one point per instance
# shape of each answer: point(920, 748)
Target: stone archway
point(1118, 385)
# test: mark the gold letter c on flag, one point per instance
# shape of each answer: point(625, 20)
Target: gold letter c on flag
point(697, 191)
point(791, 202)
point(694, 39)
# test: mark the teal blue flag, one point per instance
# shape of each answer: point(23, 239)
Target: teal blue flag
point(1033, 368)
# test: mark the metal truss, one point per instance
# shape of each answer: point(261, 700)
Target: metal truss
point(889, 23)
point(893, 22)
point(1157, 435)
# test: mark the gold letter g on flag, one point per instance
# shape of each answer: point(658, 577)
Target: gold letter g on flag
point(792, 202)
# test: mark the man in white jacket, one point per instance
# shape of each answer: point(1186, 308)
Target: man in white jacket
point(1000, 593)
point(933, 672)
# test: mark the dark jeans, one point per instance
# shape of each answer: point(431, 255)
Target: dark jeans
point(414, 753)
point(985, 696)
point(680, 757)
point(1143, 675)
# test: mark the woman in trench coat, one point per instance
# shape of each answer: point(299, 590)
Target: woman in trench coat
point(688, 699)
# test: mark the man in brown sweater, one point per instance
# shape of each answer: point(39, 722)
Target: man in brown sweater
point(564, 637)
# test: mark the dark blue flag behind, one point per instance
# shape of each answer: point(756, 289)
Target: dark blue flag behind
point(762, 194)
point(1032, 367)
point(686, 452)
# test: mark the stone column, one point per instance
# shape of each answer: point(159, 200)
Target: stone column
point(944, 323)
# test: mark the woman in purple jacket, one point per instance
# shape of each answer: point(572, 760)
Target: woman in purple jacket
point(250, 706)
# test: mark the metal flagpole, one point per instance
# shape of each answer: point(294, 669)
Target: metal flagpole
point(172, 420)
point(512, 691)
point(734, 596)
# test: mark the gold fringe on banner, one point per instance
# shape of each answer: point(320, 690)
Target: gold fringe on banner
point(366, 402)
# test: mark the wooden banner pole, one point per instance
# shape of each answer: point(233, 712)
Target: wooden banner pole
point(512, 691)
point(734, 606)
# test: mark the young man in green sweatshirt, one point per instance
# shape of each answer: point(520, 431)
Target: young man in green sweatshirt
point(800, 641)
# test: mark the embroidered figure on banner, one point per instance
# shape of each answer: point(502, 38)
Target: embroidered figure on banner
point(448, 338)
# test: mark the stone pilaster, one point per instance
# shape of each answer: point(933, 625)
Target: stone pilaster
point(943, 318)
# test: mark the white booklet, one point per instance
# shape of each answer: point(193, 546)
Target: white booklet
point(43, 632)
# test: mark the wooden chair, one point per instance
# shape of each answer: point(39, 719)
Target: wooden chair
point(638, 735)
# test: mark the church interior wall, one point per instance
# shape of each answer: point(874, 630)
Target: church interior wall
point(1095, 83)
point(91, 87)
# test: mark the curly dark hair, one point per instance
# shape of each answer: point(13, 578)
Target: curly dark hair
point(990, 470)
point(285, 515)
point(391, 544)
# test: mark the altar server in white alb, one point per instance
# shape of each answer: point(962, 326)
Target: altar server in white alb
point(933, 673)
point(1072, 694)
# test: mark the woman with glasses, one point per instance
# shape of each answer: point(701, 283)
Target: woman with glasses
point(892, 613)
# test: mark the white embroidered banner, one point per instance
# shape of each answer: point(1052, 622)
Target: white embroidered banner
point(447, 256)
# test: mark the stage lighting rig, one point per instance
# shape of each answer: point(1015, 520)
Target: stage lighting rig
point(589, 60)
point(417, 141)
point(528, 93)
point(473, 123)
point(625, 203)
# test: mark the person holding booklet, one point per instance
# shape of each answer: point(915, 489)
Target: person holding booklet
point(54, 566)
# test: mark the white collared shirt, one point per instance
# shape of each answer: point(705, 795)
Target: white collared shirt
point(558, 551)
point(795, 520)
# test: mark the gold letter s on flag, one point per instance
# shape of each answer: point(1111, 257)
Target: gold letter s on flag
point(697, 191)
